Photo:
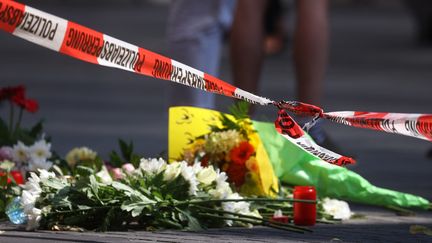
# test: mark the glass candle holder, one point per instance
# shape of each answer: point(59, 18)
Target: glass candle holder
point(304, 213)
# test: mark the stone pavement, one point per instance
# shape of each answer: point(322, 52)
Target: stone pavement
point(375, 66)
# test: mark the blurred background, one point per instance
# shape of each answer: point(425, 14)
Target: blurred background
point(380, 59)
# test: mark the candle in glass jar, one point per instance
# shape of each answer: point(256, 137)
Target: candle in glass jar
point(304, 213)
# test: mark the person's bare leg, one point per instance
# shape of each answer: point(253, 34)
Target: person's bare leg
point(247, 38)
point(311, 49)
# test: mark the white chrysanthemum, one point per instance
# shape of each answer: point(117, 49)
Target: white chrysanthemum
point(32, 184)
point(171, 171)
point(29, 196)
point(189, 175)
point(104, 176)
point(35, 164)
point(33, 218)
point(152, 166)
point(40, 150)
point(206, 175)
point(241, 207)
point(20, 152)
point(337, 208)
point(45, 174)
point(223, 189)
point(77, 154)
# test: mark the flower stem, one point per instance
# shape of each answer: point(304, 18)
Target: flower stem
point(18, 123)
point(11, 115)
point(247, 200)
point(253, 217)
point(252, 222)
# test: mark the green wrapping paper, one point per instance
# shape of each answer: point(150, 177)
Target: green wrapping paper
point(294, 166)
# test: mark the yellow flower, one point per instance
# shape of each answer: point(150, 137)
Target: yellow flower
point(78, 154)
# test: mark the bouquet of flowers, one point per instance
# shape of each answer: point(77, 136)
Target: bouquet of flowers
point(155, 195)
point(232, 145)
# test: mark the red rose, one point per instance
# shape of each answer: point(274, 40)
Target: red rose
point(236, 174)
point(241, 153)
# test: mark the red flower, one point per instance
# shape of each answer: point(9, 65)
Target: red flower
point(236, 174)
point(17, 96)
point(205, 161)
point(11, 92)
point(16, 175)
point(241, 153)
point(31, 105)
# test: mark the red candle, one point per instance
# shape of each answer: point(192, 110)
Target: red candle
point(304, 213)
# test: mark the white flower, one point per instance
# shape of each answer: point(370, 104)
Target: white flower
point(188, 174)
point(20, 152)
point(30, 195)
point(337, 208)
point(40, 150)
point(32, 184)
point(222, 190)
point(152, 166)
point(28, 198)
point(45, 174)
point(104, 176)
point(241, 207)
point(38, 163)
point(33, 218)
point(171, 171)
point(206, 175)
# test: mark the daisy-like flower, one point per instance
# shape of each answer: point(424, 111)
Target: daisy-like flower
point(38, 163)
point(40, 150)
point(152, 166)
point(20, 152)
point(78, 154)
point(189, 175)
point(30, 194)
point(337, 208)
point(222, 190)
point(171, 171)
point(33, 218)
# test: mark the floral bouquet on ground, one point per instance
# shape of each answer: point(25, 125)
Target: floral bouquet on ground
point(153, 196)
point(226, 142)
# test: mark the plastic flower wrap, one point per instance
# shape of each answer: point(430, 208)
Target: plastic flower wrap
point(225, 142)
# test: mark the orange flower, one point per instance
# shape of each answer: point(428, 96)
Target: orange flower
point(241, 153)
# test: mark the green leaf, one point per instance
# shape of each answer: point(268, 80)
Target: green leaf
point(94, 185)
point(129, 191)
point(84, 170)
point(240, 109)
point(193, 223)
point(115, 159)
point(36, 130)
point(83, 207)
point(126, 149)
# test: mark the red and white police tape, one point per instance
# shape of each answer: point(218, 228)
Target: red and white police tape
point(92, 46)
